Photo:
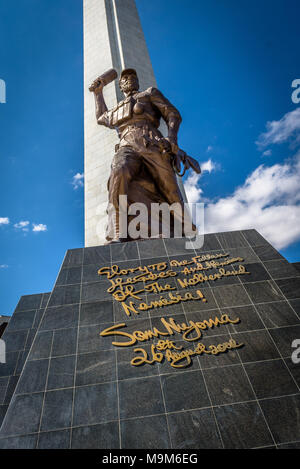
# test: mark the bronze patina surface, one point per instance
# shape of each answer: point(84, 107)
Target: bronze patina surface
point(145, 163)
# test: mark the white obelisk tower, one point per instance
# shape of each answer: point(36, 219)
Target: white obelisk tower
point(113, 38)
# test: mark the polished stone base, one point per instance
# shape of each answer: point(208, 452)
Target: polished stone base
point(77, 390)
point(18, 337)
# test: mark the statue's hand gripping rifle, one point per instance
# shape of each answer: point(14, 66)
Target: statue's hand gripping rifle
point(179, 157)
point(187, 161)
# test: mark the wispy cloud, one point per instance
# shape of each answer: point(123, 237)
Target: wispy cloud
point(39, 227)
point(22, 225)
point(287, 128)
point(267, 153)
point(191, 185)
point(192, 190)
point(78, 181)
point(209, 148)
point(3, 266)
point(208, 166)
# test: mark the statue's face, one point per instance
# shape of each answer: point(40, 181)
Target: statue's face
point(129, 83)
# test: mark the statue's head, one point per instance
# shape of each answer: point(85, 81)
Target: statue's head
point(129, 82)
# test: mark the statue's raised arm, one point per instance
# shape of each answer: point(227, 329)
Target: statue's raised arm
point(97, 88)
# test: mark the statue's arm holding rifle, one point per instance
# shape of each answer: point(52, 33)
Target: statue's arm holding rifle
point(173, 120)
point(169, 113)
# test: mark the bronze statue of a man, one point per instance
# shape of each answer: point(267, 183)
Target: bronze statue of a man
point(141, 168)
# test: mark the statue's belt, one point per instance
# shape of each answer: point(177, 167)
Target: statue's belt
point(146, 125)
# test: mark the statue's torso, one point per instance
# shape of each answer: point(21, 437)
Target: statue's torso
point(137, 118)
point(137, 121)
point(134, 110)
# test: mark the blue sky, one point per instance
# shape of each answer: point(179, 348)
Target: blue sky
point(228, 67)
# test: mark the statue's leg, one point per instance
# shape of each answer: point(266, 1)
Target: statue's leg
point(164, 176)
point(125, 166)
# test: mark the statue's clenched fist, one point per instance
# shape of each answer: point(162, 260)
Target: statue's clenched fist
point(97, 86)
point(106, 78)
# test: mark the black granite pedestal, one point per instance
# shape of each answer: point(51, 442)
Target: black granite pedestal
point(18, 337)
point(77, 390)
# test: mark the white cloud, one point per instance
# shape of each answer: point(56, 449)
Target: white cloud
point(22, 225)
point(208, 166)
point(39, 227)
point(192, 189)
point(78, 181)
point(209, 148)
point(286, 128)
point(267, 153)
point(3, 266)
point(269, 201)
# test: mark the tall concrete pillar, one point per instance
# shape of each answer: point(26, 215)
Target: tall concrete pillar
point(113, 38)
